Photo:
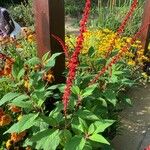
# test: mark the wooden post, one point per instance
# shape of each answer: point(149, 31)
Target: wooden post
point(145, 36)
point(49, 19)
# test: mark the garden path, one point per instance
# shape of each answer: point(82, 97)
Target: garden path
point(135, 133)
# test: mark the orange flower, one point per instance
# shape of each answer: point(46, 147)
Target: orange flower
point(8, 66)
point(48, 77)
point(15, 109)
point(37, 67)
point(5, 120)
point(16, 137)
point(30, 38)
point(1, 112)
point(1, 73)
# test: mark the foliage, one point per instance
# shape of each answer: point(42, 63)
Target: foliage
point(21, 13)
point(32, 114)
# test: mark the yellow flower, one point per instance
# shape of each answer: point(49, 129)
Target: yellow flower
point(145, 76)
point(9, 143)
point(131, 63)
point(129, 40)
point(30, 38)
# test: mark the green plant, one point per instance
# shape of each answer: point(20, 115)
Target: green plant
point(111, 18)
point(23, 14)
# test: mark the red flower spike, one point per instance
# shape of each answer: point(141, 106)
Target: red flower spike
point(61, 42)
point(116, 58)
point(122, 26)
point(73, 63)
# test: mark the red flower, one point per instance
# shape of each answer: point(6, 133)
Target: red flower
point(73, 63)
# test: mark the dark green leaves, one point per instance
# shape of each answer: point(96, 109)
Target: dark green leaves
point(88, 91)
point(76, 143)
point(110, 96)
point(47, 140)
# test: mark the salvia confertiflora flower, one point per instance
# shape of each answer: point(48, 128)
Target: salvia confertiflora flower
point(73, 63)
point(117, 57)
point(122, 26)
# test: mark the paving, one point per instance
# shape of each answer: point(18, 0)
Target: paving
point(135, 120)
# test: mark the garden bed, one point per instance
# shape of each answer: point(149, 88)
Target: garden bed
point(83, 113)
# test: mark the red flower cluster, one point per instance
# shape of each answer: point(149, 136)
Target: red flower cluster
point(116, 58)
point(73, 63)
point(122, 26)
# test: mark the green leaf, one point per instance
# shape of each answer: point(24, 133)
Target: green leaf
point(102, 125)
point(110, 95)
point(21, 98)
point(21, 73)
point(89, 90)
point(91, 52)
point(76, 143)
point(53, 87)
point(86, 114)
point(128, 100)
point(79, 125)
point(8, 97)
point(46, 56)
point(65, 136)
point(47, 140)
point(52, 60)
point(49, 120)
point(22, 104)
point(75, 90)
point(99, 138)
point(26, 122)
point(33, 61)
point(91, 129)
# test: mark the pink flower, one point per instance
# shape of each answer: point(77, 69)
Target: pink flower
point(73, 63)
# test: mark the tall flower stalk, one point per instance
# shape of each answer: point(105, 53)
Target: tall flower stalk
point(73, 63)
point(122, 26)
point(116, 58)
